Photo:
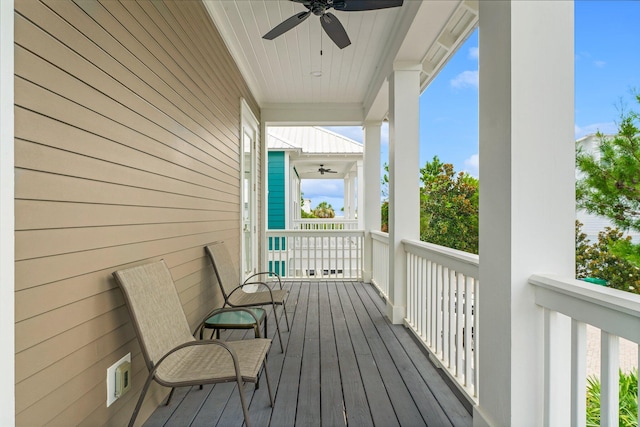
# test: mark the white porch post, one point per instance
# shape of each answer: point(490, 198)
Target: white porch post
point(369, 203)
point(358, 210)
point(352, 194)
point(347, 196)
point(404, 196)
point(527, 210)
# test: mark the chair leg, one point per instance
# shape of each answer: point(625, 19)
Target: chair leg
point(266, 374)
point(286, 317)
point(145, 388)
point(170, 396)
point(278, 328)
point(243, 403)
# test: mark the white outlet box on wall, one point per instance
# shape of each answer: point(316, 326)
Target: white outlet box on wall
point(111, 379)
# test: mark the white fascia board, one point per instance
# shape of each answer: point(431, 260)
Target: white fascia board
point(308, 114)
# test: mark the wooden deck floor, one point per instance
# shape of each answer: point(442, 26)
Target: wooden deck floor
point(344, 364)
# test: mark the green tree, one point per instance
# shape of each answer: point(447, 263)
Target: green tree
point(449, 207)
point(324, 210)
point(597, 260)
point(610, 185)
point(303, 213)
point(384, 216)
point(384, 208)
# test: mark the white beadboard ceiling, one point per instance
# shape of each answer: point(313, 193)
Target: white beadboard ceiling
point(352, 86)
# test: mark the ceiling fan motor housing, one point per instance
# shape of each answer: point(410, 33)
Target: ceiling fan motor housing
point(318, 8)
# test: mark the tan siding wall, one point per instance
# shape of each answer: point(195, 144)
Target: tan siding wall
point(127, 150)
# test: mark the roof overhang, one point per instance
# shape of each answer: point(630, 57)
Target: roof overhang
point(354, 88)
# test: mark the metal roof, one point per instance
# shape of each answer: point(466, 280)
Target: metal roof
point(311, 140)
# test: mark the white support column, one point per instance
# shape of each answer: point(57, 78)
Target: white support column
point(369, 210)
point(264, 198)
point(7, 220)
point(527, 208)
point(359, 203)
point(352, 194)
point(347, 196)
point(404, 196)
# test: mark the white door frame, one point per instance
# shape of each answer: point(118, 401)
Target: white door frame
point(249, 126)
point(7, 218)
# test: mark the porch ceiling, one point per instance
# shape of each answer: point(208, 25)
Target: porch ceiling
point(353, 86)
point(307, 167)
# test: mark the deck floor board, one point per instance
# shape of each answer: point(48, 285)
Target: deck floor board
point(344, 364)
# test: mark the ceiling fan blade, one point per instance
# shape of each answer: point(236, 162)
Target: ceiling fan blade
point(286, 25)
point(359, 5)
point(335, 30)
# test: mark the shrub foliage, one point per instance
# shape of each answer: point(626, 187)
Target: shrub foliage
point(599, 260)
point(628, 414)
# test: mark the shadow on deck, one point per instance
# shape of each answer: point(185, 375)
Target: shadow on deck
point(344, 364)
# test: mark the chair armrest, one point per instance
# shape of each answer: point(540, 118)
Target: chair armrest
point(261, 284)
point(182, 346)
point(262, 273)
point(255, 283)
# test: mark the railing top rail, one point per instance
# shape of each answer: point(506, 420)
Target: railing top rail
point(318, 233)
point(426, 250)
point(614, 311)
point(327, 220)
point(380, 236)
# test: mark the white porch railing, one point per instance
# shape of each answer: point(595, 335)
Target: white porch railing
point(380, 262)
point(316, 255)
point(442, 289)
point(615, 313)
point(442, 293)
point(325, 224)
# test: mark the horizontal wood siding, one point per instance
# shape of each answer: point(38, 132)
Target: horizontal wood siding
point(276, 182)
point(127, 125)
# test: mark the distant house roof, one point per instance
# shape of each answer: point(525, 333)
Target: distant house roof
point(311, 140)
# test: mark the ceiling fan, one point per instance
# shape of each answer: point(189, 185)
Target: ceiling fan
point(329, 21)
point(324, 170)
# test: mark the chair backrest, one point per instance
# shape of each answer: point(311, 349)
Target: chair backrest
point(155, 309)
point(223, 266)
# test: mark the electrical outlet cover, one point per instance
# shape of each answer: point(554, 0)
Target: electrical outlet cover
point(111, 379)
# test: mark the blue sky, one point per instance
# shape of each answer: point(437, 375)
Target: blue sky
point(607, 63)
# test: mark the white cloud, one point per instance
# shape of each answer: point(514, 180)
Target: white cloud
point(606, 128)
point(584, 54)
point(465, 79)
point(324, 190)
point(474, 52)
point(322, 187)
point(472, 165)
point(599, 64)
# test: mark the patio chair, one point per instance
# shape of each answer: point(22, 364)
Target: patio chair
point(234, 295)
point(173, 356)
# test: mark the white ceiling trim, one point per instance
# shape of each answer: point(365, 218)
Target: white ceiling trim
point(218, 15)
point(325, 114)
